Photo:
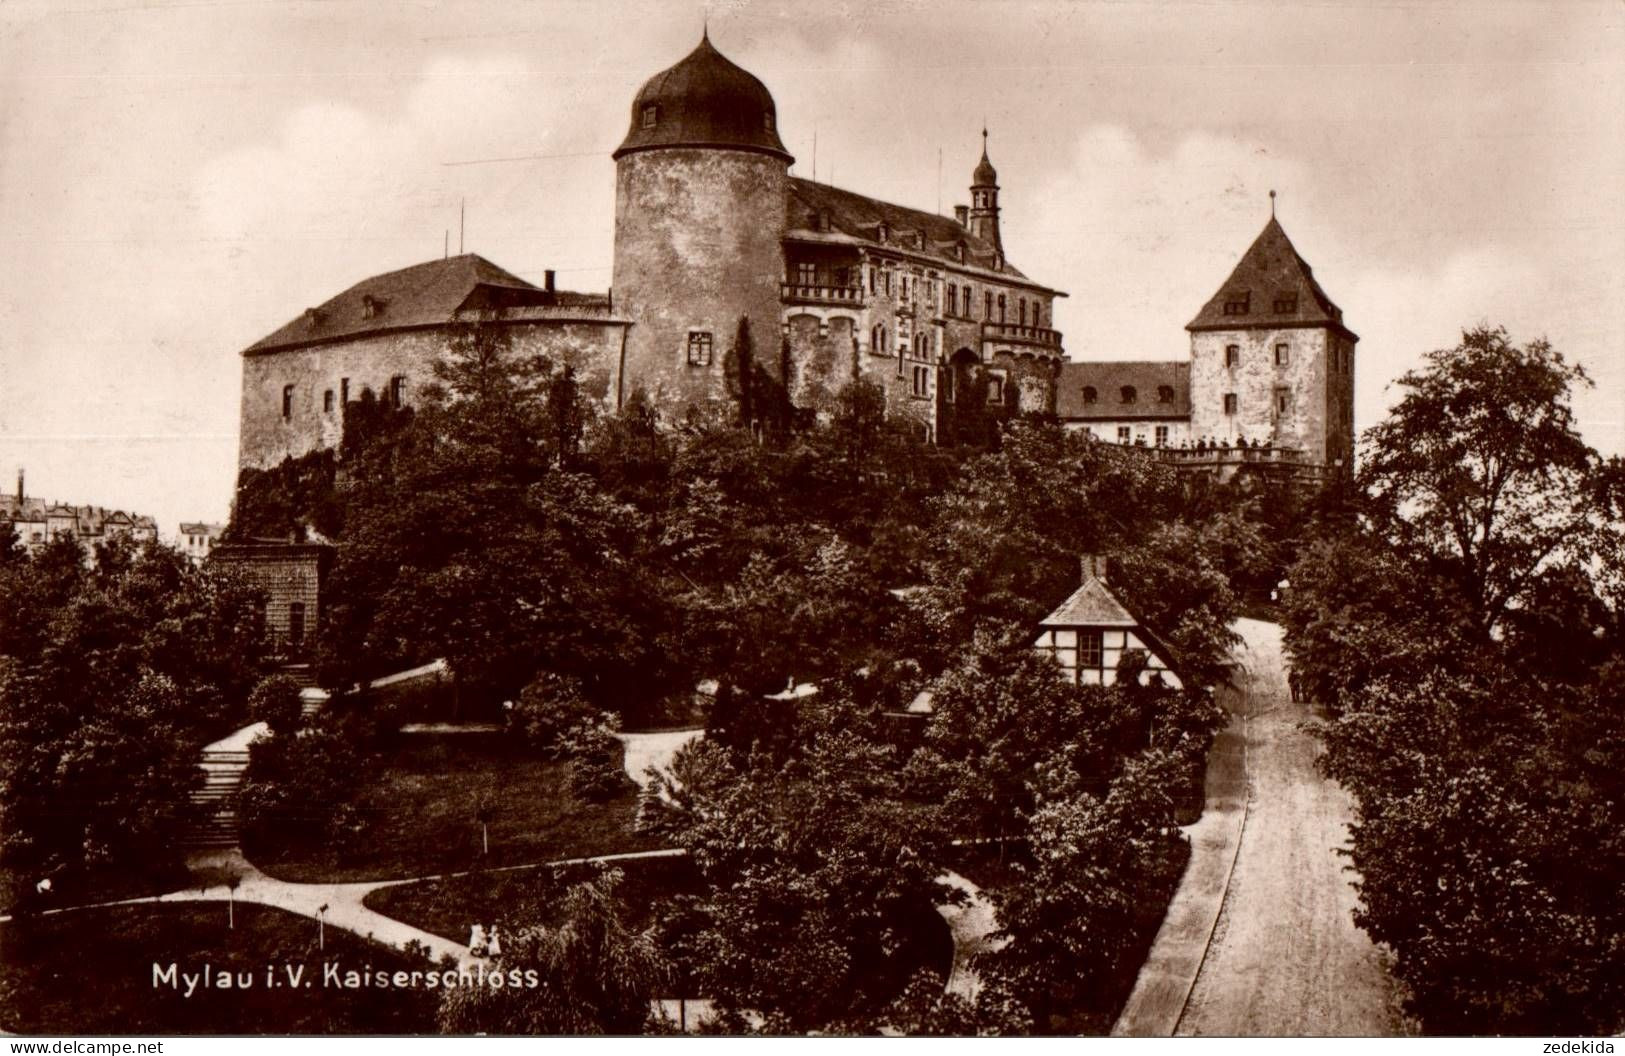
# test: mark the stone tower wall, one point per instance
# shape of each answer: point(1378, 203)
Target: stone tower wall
point(1256, 381)
point(696, 248)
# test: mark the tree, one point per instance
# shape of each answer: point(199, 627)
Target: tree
point(590, 974)
point(1480, 468)
point(1079, 919)
point(110, 681)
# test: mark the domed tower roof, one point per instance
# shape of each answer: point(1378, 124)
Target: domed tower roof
point(985, 175)
point(704, 101)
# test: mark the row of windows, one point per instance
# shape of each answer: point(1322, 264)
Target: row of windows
point(1239, 302)
point(1283, 355)
point(651, 117)
point(1283, 402)
point(395, 395)
point(960, 298)
point(1126, 433)
point(1129, 394)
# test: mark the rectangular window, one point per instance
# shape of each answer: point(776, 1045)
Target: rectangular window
point(699, 348)
point(1283, 401)
point(1124, 434)
point(1089, 651)
point(874, 280)
point(953, 299)
point(1021, 316)
point(1281, 354)
point(397, 391)
point(287, 402)
point(344, 391)
point(987, 305)
point(651, 115)
point(922, 381)
point(1001, 307)
point(995, 390)
point(843, 277)
point(1162, 436)
point(1232, 355)
point(327, 402)
point(1237, 303)
point(1286, 304)
point(1229, 403)
point(806, 275)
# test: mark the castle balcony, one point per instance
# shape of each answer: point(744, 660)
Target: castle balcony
point(1226, 460)
point(1017, 334)
point(800, 293)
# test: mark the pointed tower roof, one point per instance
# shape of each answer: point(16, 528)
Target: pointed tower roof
point(1270, 274)
point(705, 100)
point(985, 175)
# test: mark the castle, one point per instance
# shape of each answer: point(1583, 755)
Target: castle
point(726, 266)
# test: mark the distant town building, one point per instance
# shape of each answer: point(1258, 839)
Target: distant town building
point(1269, 384)
point(197, 539)
point(1089, 632)
point(713, 238)
point(37, 521)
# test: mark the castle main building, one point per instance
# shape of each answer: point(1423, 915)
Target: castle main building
point(713, 238)
point(724, 264)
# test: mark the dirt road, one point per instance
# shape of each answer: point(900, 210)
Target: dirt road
point(1285, 957)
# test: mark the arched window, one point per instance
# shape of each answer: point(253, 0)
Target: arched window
point(1001, 307)
point(1022, 311)
point(1089, 394)
point(879, 339)
point(1129, 394)
point(922, 346)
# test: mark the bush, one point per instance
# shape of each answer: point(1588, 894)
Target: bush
point(547, 711)
point(596, 772)
point(298, 785)
point(275, 702)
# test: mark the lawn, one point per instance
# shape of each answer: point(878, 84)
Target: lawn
point(416, 815)
point(86, 886)
point(523, 897)
point(92, 972)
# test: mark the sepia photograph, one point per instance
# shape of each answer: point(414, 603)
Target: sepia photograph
point(862, 518)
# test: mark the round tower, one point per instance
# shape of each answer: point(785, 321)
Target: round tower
point(700, 184)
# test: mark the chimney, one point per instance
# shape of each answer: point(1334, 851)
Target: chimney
point(962, 215)
point(1094, 566)
point(547, 280)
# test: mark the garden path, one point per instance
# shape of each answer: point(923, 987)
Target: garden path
point(1260, 937)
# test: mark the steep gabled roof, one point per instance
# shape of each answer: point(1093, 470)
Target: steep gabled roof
point(856, 218)
point(1091, 605)
point(1108, 377)
point(1271, 270)
point(425, 294)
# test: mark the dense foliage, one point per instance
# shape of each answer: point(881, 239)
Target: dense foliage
point(112, 674)
point(570, 563)
point(1468, 635)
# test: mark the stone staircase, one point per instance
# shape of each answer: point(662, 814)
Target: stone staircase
point(223, 767)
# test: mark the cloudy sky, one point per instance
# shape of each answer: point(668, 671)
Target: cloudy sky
point(179, 179)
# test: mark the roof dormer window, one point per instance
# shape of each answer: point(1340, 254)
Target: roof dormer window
point(1165, 394)
point(371, 306)
point(313, 317)
point(1236, 303)
point(767, 120)
point(651, 116)
point(1286, 303)
point(884, 232)
point(1090, 395)
point(1129, 394)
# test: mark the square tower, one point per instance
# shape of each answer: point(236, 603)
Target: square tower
point(1272, 362)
